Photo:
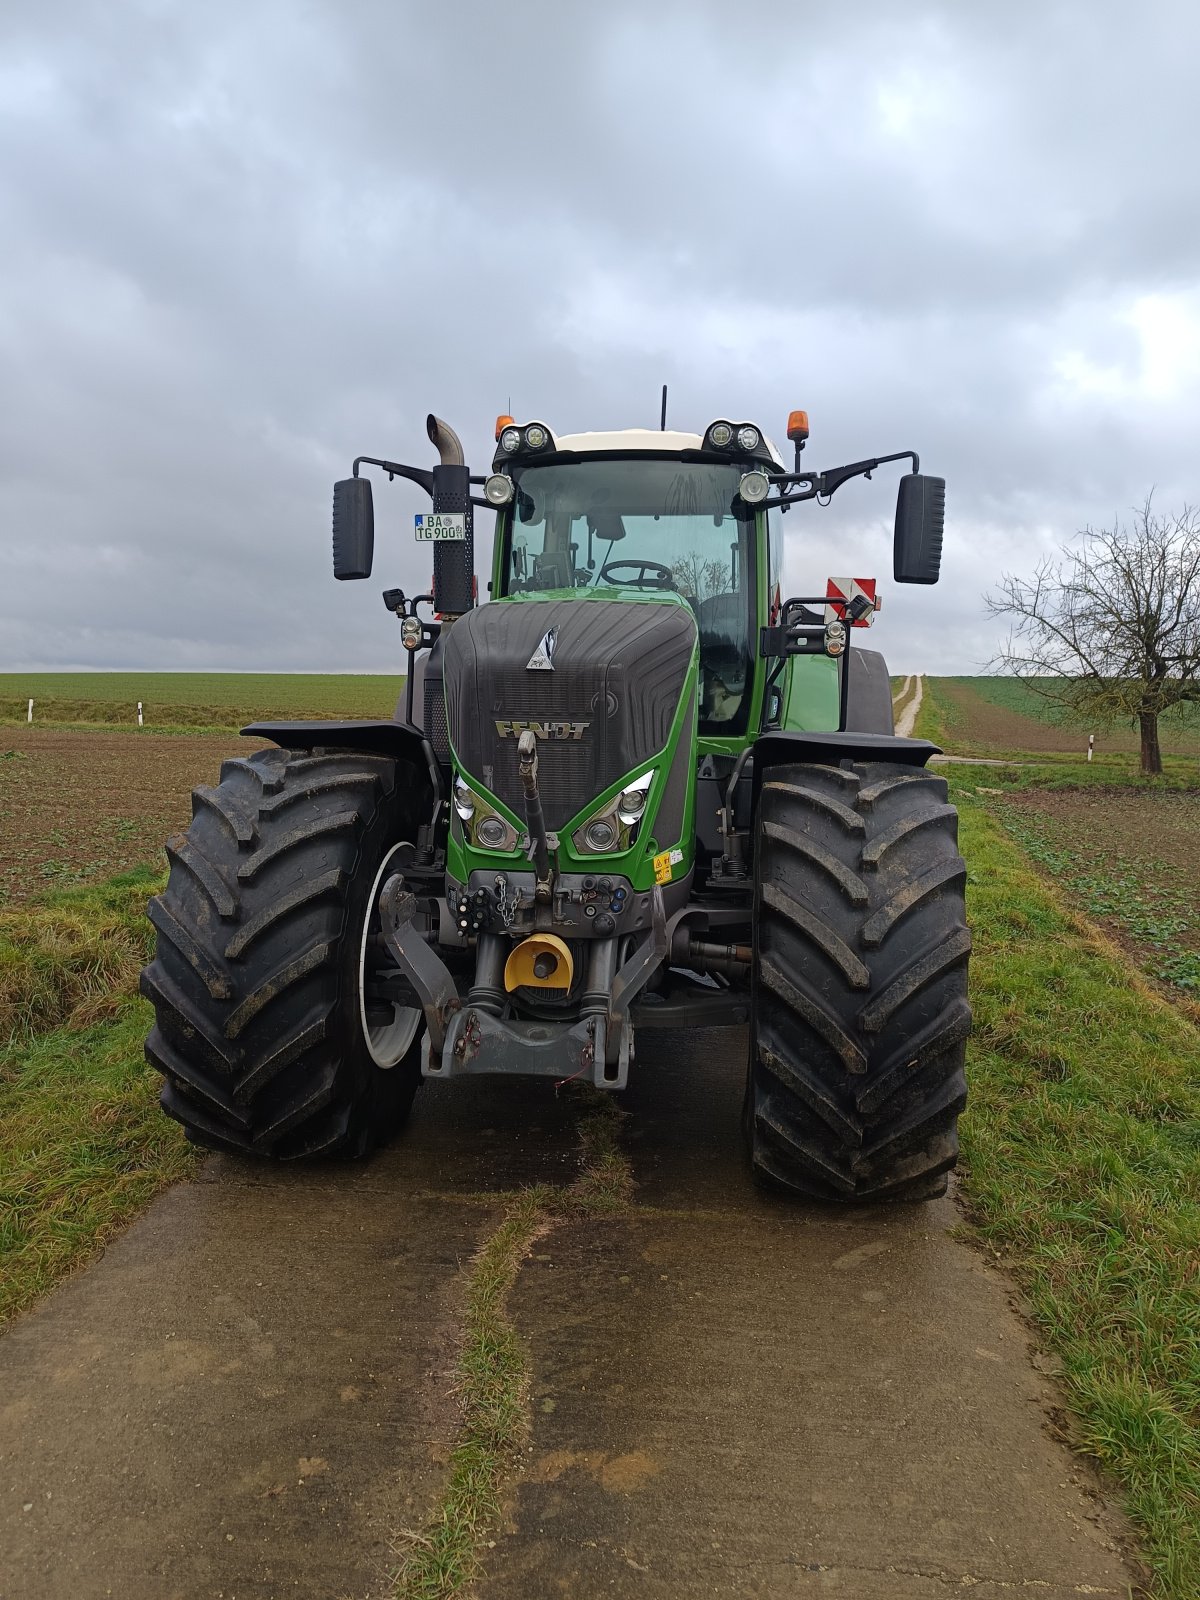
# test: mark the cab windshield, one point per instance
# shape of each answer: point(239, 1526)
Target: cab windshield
point(651, 525)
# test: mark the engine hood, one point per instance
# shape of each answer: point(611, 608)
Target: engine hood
point(599, 681)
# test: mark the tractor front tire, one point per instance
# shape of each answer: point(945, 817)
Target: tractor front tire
point(857, 1067)
point(261, 1032)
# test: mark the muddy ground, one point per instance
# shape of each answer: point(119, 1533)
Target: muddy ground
point(1128, 859)
point(76, 806)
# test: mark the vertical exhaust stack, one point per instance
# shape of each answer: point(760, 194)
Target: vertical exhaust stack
point(453, 560)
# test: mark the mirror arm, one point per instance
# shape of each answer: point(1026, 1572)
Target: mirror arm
point(789, 494)
point(418, 475)
point(834, 477)
point(824, 484)
point(394, 469)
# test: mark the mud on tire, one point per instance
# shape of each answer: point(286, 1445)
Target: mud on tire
point(856, 1076)
point(255, 981)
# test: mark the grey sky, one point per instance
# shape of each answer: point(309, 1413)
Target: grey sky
point(244, 243)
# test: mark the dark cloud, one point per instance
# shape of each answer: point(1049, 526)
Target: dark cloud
point(245, 243)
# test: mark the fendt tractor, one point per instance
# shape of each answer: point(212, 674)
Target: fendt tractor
point(635, 790)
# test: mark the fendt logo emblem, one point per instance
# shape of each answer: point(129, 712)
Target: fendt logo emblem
point(511, 729)
point(542, 659)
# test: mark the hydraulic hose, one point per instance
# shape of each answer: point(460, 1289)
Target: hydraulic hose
point(539, 849)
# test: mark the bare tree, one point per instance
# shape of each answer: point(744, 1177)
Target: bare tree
point(1111, 627)
point(700, 578)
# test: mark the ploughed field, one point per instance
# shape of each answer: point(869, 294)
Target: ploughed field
point(1127, 859)
point(1003, 716)
point(86, 793)
point(79, 806)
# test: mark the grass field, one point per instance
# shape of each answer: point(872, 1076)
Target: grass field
point(191, 699)
point(1082, 1170)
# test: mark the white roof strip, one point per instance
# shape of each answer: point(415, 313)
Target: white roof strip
point(642, 439)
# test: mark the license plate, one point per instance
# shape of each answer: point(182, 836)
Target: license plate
point(440, 525)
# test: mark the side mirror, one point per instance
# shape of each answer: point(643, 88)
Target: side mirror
point(920, 519)
point(353, 528)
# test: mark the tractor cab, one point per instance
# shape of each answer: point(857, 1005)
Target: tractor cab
point(641, 515)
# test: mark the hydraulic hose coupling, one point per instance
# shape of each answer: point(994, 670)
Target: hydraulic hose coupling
point(539, 849)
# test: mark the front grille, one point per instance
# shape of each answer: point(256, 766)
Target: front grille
point(619, 671)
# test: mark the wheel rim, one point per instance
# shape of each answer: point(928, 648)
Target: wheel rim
point(387, 1042)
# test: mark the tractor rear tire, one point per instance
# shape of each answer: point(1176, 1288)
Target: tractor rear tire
point(857, 1066)
point(260, 1030)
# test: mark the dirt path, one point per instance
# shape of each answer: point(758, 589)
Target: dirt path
point(251, 1394)
point(908, 708)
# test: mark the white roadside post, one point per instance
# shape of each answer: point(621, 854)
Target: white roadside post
point(29, 713)
point(1091, 742)
point(140, 714)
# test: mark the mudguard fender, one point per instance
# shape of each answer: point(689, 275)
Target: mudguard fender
point(371, 738)
point(828, 749)
point(399, 740)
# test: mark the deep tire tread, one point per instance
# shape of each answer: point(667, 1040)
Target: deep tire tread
point(254, 981)
point(181, 852)
point(861, 1018)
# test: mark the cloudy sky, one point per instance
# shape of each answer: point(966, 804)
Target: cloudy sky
point(245, 242)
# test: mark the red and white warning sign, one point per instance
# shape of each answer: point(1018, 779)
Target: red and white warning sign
point(842, 593)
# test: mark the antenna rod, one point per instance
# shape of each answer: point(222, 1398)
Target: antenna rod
point(663, 420)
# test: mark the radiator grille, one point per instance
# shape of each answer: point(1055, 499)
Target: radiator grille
point(619, 671)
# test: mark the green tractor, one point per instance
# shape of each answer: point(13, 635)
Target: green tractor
point(636, 790)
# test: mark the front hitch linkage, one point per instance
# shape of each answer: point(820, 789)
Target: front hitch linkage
point(539, 847)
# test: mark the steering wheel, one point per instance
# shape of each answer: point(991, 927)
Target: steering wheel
point(661, 577)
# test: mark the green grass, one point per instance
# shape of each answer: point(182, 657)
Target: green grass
point(84, 1144)
point(493, 1372)
point(1023, 700)
point(930, 723)
point(1082, 1166)
point(1067, 774)
point(73, 957)
point(493, 1383)
point(85, 1148)
point(191, 699)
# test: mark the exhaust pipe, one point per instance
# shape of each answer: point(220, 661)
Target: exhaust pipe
point(453, 559)
point(445, 441)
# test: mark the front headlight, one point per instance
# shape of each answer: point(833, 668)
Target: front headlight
point(615, 826)
point(482, 824)
point(754, 486)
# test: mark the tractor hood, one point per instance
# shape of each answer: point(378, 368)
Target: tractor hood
point(598, 681)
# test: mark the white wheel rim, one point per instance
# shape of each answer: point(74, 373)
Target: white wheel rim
point(389, 1042)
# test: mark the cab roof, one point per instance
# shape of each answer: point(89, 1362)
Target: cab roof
point(648, 439)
